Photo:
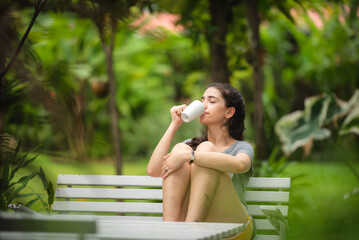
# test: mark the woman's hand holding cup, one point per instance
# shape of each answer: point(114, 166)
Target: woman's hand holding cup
point(193, 111)
point(176, 113)
point(184, 113)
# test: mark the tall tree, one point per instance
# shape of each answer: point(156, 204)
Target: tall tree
point(217, 40)
point(257, 52)
point(106, 15)
point(206, 19)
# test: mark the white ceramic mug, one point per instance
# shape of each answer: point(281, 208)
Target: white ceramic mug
point(193, 111)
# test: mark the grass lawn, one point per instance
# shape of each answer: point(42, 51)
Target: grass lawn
point(317, 208)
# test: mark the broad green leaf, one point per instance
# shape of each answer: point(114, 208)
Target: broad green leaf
point(25, 195)
point(37, 198)
point(351, 122)
point(50, 193)
point(43, 179)
point(5, 174)
point(24, 180)
point(24, 163)
point(300, 127)
point(17, 148)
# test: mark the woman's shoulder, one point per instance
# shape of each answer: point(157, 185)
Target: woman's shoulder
point(242, 144)
point(243, 147)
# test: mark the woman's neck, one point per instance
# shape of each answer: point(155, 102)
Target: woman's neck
point(219, 137)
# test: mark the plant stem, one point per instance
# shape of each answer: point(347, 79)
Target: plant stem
point(38, 7)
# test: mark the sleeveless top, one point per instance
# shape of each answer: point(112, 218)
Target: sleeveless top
point(240, 180)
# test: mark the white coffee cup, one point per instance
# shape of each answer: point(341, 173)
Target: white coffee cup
point(193, 111)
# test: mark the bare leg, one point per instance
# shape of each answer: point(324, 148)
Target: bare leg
point(226, 205)
point(204, 183)
point(174, 189)
point(213, 197)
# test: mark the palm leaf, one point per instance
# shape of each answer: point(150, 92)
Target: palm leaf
point(24, 180)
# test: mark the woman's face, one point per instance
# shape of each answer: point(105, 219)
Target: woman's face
point(216, 110)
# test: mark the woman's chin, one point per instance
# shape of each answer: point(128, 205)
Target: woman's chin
point(203, 120)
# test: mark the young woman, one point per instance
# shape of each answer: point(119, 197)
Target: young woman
point(204, 179)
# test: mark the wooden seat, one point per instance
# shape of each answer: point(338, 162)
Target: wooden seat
point(140, 198)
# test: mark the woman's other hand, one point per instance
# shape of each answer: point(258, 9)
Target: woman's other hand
point(174, 161)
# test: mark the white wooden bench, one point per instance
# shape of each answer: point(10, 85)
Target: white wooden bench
point(139, 198)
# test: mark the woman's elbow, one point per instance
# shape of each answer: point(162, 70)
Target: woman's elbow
point(151, 172)
point(242, 168)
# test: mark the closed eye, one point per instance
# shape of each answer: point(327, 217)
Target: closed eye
point(211, 99)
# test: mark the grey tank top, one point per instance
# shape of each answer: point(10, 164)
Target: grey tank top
point(240, 180)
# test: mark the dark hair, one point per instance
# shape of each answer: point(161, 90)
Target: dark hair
point(235, 125)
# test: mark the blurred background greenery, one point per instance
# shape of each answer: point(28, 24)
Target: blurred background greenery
point(91, 85)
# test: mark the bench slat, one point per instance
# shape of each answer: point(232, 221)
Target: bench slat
point(266, 237)
point(108, 207)
point(155, 194)
point(109, 180)
point(133, 207)
point(267, 196)
point(147, 181)
point(267, 183)
point(109, 193)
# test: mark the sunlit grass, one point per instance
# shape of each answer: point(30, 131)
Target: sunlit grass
point(318, 209)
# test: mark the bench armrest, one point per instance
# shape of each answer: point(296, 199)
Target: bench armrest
point(276, 218)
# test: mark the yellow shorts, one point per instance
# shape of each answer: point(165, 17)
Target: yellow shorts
point(246, 234)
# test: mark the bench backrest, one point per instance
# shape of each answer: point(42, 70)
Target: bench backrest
point(140, 198)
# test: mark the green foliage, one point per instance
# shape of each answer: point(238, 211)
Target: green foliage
point(355, 191)
point(12, 186)
point(304, 58)
point(300, 127)
point(151, 74)
point(351, 122)
point(274, 167)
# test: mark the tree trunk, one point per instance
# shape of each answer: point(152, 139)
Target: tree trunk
point(253, 19)
point(113, 111)
point(116, 136)
point(217, 41)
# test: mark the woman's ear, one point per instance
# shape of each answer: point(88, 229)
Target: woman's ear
point(230, 112)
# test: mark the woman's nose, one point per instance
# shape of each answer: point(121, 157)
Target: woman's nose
point(205, 104)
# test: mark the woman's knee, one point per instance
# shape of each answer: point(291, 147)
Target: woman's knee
point(206, 146)
point(181, 147)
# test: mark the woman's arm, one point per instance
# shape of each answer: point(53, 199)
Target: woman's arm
point(240, 163)
point(155, 164)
